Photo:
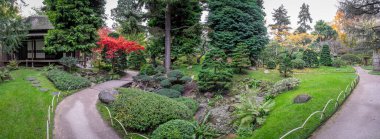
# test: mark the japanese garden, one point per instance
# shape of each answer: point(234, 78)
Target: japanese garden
point(189, 69)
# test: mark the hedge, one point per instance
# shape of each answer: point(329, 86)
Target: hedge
point(66, 81)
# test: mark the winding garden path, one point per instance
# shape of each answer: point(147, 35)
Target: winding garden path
point(359, 117)
point(76, 117)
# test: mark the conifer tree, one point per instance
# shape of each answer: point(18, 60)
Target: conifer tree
point(240, 57)
point(311, 58)
point(280, 28)
point(325, 56)
point(286, 67)
point(304, 18)
point(215, 75)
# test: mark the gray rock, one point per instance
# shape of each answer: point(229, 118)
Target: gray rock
point(128, 85)
point(209, 95)
point(44, 89)
point(107, 96)
point(221, 119)
point(36, 85)
point(55, 93)
point(35, 82)
point(31, 79)
point(302, 98)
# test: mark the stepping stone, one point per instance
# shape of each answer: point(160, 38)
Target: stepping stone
point(35, 82)
point(55, 93)
point(31, 79)
point(303, 98)
point(36, 85)
point(44, 89)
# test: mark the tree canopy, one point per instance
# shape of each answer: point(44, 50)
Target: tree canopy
point(304, 19)
point(280, 28)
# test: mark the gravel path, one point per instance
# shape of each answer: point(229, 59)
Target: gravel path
point(76, 117)
point(359, 117)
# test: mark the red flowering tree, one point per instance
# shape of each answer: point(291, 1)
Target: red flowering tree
point(115, 48)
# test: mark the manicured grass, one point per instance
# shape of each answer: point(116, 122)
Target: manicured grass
point(374, 72)
point(259, 74)
point(194, 71)
point(371, 68)
point(367, 67)
point(23, 107)
point(322, 84)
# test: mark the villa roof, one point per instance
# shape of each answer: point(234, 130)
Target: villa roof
point(38, 22)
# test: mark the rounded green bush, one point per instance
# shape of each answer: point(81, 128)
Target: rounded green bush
point(271, 64)
point(165, 83)
point(178, 87)
point(338, 63)
point(351, 59)
point(142, 111)
point(147, 69)
point(175, 74)
point(190, 103)
point(160, 69)
point(169, 93)
point(174, 129)
point(298, 63)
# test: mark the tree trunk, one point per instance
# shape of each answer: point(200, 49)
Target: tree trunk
point(167, 37)
point(376, 60)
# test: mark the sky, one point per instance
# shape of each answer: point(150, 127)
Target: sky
point(319, 9)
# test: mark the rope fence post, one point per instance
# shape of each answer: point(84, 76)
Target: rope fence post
point(109, 113)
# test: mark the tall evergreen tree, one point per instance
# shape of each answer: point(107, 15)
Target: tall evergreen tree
point(237, 21)
point(324, 31)
point(311, 58)
point(304, 18)
point(75, 25)
point(280, 28)
point(286, 67)
point(12, 28)
point(129, 16)
point(325, 56)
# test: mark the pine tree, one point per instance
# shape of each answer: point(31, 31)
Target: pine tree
point(238, 21)
point(280, 28)
point(215, 76)
point(326, 56)
point(75, 29)
point(136, 60)
point(240, 57)
point(324, 31)
point(304, 18)
point(286, 67)
point(129, 16)
point(311, 58)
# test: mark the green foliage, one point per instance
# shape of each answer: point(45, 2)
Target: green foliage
point(325, 59)
point(324, 31)
point(143, 111)
point(338, 63)
point(286, 67)
point(178, 87)
point(351, 59)
point(281, 23)
point(175, 75)
point(165, 83)
point(174, 129)
point(237, 21)
point(66, 81)
point(249, 113)
point(284, 85)
point(136, 60)
point(75, 29)
point(311, 58)
point(304, 17)
point(192, 104)
point(271, 64)
point(203, 130)
point(13, 29)
point(171, 93)
point(147, 69)
point(240, 57)
point(69, 62)
point(4, 75)
point(13, 65)
point(298, 64)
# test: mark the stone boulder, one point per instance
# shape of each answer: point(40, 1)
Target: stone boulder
point(302, 98)
point(107, 96)
point(221, 119)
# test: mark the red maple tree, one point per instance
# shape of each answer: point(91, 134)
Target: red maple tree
point(115, 45)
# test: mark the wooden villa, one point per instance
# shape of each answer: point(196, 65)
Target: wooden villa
point(31, 52)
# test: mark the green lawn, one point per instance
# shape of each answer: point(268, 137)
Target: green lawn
point(23, 107)
point(322, 84)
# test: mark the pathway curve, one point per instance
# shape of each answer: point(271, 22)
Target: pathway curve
point(76, 117)
point(359, 117)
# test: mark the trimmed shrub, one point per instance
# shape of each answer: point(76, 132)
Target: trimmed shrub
point(190, 103)
point(326, 56)
point(160, 69)
point(211, 81)
point(174, 129)
point(147, 69)
point(285, 85)
point(175, 75)
point(66, 81)
point(186, 79)
point(338, 63)
point(271, 64)
point(143, 111)
point(68, 62)
point(298, 64)
point(165, 83)
point(351, 59)
point(178, 87)
point(136, 60)
point(4, 75)
point(311, 58)
point(171, 93)
point(13, 65)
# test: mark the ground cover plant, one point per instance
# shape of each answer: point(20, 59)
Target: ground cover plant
point(66, 81)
